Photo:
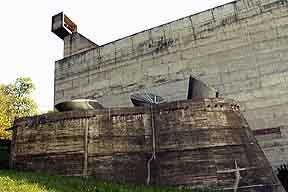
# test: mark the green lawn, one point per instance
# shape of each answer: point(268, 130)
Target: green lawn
point(12, 181)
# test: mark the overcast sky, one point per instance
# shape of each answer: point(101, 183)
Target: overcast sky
point(28, 48)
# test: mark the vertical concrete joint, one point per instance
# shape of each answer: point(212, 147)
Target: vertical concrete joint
point(86, 133)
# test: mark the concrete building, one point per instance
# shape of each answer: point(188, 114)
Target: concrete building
point(240, 49)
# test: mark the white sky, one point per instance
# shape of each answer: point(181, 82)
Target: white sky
point(28, 48)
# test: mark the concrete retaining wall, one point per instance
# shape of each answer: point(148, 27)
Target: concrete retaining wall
point(196, 144)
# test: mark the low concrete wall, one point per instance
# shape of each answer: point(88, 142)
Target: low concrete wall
point(196, 144)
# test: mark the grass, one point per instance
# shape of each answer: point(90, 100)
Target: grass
point(12, 181)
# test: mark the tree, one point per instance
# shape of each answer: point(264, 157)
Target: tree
point(15, 102)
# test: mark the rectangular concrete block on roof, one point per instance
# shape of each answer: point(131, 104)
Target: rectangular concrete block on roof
point(239, 48)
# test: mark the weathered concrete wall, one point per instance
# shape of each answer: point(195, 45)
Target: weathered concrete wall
point(274, 143)
point(55, 145)
point(239, 48)
point(196, 144)
point(76, 43)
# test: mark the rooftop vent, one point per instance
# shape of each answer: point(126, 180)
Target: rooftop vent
point(62, 26)
point(78, 105)
point(143, 99)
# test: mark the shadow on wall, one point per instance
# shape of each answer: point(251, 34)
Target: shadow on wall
point(4, 153)
point(283, 175)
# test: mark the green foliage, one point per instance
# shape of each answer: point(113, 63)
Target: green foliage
point(15, 102)
point(6, 114)
point(11, 181)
